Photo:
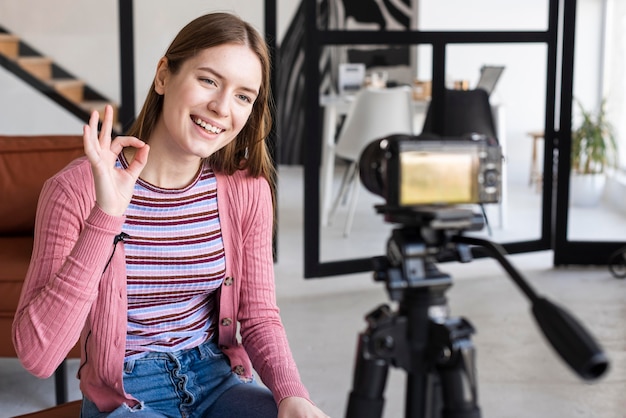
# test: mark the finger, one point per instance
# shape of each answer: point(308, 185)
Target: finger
point(107, 123)
point(87, 141)
point(90, 142)
point(93, 124)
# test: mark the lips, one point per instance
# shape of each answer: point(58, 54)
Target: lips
point(207, 126)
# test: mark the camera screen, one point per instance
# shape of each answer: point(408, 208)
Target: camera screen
point(438, 177)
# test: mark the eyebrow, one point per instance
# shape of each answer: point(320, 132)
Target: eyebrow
point(218, 75)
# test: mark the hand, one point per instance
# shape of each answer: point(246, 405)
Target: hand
point(295, 407)
point(114, 187)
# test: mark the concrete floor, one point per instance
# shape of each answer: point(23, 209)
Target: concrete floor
point(518, 372)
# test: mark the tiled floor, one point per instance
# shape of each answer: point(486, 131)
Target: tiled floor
point(519, 374)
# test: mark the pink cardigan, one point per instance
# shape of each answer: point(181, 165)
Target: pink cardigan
point(72, 291)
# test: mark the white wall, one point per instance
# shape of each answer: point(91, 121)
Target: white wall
point(82, 36)
point(614, 81)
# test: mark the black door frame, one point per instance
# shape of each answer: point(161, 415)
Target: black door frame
point(317, 38)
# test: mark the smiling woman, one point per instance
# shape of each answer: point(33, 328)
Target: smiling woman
point(156, 248)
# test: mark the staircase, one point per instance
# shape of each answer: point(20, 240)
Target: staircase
point(51, 80)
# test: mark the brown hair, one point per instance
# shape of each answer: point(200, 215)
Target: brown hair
point(249, 150)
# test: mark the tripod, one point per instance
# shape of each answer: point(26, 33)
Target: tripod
point(434, 349)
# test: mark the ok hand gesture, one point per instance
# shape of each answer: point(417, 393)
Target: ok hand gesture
point(114, 187)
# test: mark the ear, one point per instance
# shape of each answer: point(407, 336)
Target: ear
point(162, 73)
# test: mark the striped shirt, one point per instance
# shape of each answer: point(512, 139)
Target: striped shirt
point(175, 262)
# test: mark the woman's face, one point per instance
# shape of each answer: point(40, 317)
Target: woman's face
point(208, 101)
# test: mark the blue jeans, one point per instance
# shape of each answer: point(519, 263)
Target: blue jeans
point(190, 383)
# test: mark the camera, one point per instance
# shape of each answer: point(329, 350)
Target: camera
point(424, 170)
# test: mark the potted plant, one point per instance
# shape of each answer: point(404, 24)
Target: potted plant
point(593, 151)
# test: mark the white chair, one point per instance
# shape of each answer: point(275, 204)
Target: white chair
point(374, 114)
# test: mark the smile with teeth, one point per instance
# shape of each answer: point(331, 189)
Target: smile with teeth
point(207, 126)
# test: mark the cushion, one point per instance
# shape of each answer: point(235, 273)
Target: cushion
point(26, 162)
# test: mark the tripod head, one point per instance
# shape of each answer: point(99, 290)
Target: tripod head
point(424, 238)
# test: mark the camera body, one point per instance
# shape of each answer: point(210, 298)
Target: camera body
point(410, 171)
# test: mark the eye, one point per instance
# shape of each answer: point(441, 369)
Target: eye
point(244, 98)
point(209, 81)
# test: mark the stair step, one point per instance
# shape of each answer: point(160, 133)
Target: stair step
point(91, 105)
point(9, 45)
point(40, 67)
point(70, 88)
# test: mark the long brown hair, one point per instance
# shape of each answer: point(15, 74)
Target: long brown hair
point(249, 150)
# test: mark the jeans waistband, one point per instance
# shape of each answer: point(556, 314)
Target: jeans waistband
point(209, 348)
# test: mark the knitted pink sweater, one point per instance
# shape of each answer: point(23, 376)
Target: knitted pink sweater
point(72, 289)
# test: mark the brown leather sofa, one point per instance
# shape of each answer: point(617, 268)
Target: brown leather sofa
point(26, 162)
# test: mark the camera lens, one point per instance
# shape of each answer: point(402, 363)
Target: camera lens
point(371, 167)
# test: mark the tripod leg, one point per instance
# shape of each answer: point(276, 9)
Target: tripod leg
point(421, 392)
point(458, 375)
point(370, 376)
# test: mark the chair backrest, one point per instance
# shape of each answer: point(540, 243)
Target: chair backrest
point(374, 114)
point(465, 112)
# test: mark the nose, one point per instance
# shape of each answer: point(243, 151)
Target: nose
point(219, 104)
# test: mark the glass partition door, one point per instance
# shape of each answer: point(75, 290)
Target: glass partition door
point(525, 99)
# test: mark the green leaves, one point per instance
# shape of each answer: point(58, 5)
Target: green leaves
point(593, 143)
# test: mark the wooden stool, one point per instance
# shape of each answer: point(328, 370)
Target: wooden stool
point(536, 173)
point(66, 410)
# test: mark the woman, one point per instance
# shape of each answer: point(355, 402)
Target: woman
point(153, 250)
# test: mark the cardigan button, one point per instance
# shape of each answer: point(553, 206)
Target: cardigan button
point(226, 322)
point(228, 281)
point(239, 370)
